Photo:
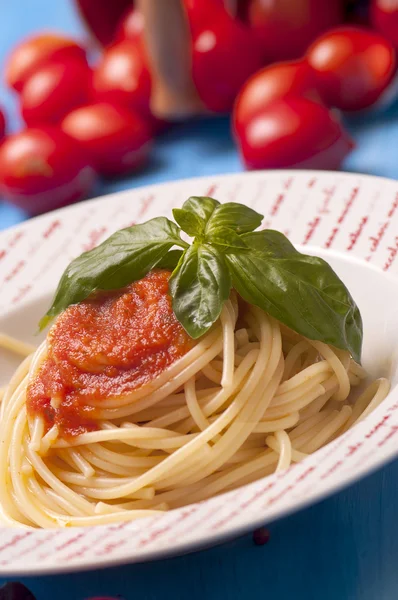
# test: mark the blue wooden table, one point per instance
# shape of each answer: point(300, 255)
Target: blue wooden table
point(345, 548)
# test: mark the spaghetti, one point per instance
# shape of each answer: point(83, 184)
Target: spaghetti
point(248, 399)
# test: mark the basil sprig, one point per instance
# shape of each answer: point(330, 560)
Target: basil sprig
point(301, 291)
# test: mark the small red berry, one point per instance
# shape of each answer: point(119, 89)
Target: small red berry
point(260, 537)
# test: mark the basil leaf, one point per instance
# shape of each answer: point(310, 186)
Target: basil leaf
point(199, 286)
point(238, 217)
point(189, 222)
point(170, 260)
point(226, 238)
point(269, 243)
point(202, 206)
point(301, 291)
point(126, 256)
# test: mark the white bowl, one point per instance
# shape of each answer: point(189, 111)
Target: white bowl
point(350, 220)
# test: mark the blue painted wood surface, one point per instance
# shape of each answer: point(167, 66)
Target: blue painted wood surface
point(346, 547)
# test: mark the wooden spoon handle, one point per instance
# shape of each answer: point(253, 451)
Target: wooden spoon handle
point(168, 43)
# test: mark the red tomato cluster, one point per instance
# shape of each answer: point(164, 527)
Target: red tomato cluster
point(81, 121)
point(289, 103)
point(285, 69)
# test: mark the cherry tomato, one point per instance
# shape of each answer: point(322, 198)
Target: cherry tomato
point(14, 590)
point(34, 52)
point(118, 140)
point(225, 54)
point(53, 90)
point(42, 169)
point(285, 27)
point(384, 18)
point(294, 132)
point(2, 125)
point(131, 25)
point(272, 83)
point(102, 17)
point(353, 67)
point(122, 77)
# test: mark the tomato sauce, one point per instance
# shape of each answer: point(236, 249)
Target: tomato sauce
point(105, 347)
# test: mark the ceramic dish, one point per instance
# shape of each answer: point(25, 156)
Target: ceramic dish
point(350, 220)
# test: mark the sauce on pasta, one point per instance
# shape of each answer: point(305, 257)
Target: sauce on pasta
point(107, 346)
